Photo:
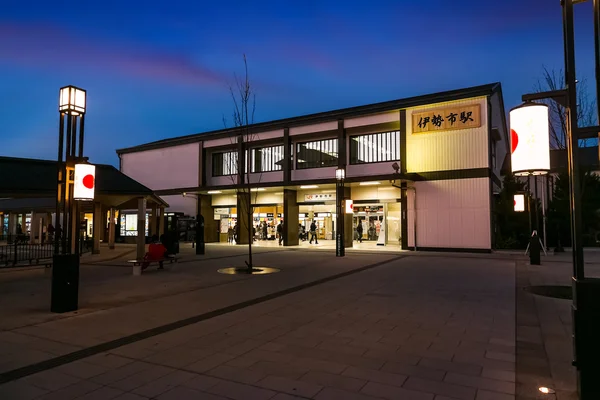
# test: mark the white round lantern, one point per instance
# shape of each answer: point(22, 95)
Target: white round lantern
point(85, 182)
point(529, 139)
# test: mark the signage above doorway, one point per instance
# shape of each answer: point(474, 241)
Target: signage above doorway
point(319, 197)
point(447, 118)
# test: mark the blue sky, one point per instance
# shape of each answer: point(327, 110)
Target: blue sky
point(156, 70)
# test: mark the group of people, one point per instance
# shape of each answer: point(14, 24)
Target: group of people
point(262, 229)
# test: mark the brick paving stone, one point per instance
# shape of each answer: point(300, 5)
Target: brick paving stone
point(411, 370)
point(499, 375)
point(442, 388)
point(397, 356)
point(239, 391)
point(486, 362)
point(20, 390)
point(279, 369)
point(201, 382)
point(82, 369)
point(121, 373)
point(451, 366)
point(338, 394)
point(108, 360)
point(241, 375)
point(494, 355)
point(334, 380)
point(71, 392)
point(394, 392)
point(179, 357)
point(481, 383)
point(290, 386)
point(103, 393)
point(485, 395)
point(141, 378)
point(210, 362)
point(164, 383)
point(285, 396)
point(319, 365)
point(185, 393)
point(50, 380)
point(375, 376)
point(130, 396)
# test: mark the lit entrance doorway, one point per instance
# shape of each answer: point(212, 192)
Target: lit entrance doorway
point(381, 224)
point(324, 217)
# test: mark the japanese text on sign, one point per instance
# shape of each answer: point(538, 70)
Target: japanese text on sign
point(448, 118)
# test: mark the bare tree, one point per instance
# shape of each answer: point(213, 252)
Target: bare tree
point(586, 107)
point(244, 105)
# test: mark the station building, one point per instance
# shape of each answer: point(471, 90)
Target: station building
point(421, 172)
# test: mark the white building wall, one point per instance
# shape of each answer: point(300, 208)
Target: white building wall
point(313, 173)
point(392, 116)
point(447, 150)
point(219, 142)
point(324, 126)
point(502, 147)
point(166, 168)
point(451, 214)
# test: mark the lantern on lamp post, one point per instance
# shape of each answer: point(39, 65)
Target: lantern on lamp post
point(76, 180)
point(340, 175)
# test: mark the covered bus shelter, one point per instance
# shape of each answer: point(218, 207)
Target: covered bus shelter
point(29, 186)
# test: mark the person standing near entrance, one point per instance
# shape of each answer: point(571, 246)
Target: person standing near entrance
point(313, 233)
point(359, 231)
point(280, 232)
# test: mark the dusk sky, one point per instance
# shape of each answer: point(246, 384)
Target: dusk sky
point(157, 70)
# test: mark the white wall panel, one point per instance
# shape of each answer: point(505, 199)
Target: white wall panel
point(166, 168)
point(503, 145)
point(313, 173)
point(219, 142)
point(383, 168)
point(451, 214)
point(447, 150)
point(324, 126)
point(375, 192)
point(275, 176)
point(393, 116)
point(267, 135)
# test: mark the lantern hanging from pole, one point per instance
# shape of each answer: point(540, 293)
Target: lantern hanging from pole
point(529, 139)
point(85, 182)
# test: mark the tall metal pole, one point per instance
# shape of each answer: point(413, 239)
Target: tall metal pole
point(572, 142)
point(544, 186)
point(59, 184)
point(535, 204)
point(340, 250)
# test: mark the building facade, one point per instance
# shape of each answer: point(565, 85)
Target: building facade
point(420, 172)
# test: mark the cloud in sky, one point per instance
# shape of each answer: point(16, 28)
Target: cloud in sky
point(49, 46)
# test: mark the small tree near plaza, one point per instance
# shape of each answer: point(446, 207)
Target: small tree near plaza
point(244, 105)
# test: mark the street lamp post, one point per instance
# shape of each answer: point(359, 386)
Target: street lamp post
point(75, 181)
point(586, 291)
point(340, 175)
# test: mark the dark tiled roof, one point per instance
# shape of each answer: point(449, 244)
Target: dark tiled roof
point(475, 91)
point(37, 178)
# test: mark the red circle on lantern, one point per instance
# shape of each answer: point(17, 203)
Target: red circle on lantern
point(515, 202)
point(514, 140)
point(88, 181)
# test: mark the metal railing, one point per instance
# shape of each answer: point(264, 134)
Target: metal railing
point(11, 255)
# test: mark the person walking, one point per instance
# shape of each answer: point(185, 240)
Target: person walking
point(280, 232)
point(359, 231)
point(264, 230)
point(313, 233)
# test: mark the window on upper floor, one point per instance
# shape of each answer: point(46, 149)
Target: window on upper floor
point(224, 163)
point(317, 154)
point(375, 147)
point(267, 159)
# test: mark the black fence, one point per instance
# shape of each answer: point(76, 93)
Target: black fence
point(16, 253)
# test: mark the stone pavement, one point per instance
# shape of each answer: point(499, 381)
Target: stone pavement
point(418, 327)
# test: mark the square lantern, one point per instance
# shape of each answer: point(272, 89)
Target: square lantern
point(85, 182)
point(519, 201)
point(529, 139)
point(340, 174)
point(71, 99)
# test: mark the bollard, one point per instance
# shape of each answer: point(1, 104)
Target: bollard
point(534, 249)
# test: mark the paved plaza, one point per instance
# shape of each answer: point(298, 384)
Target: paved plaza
point(371, 325)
